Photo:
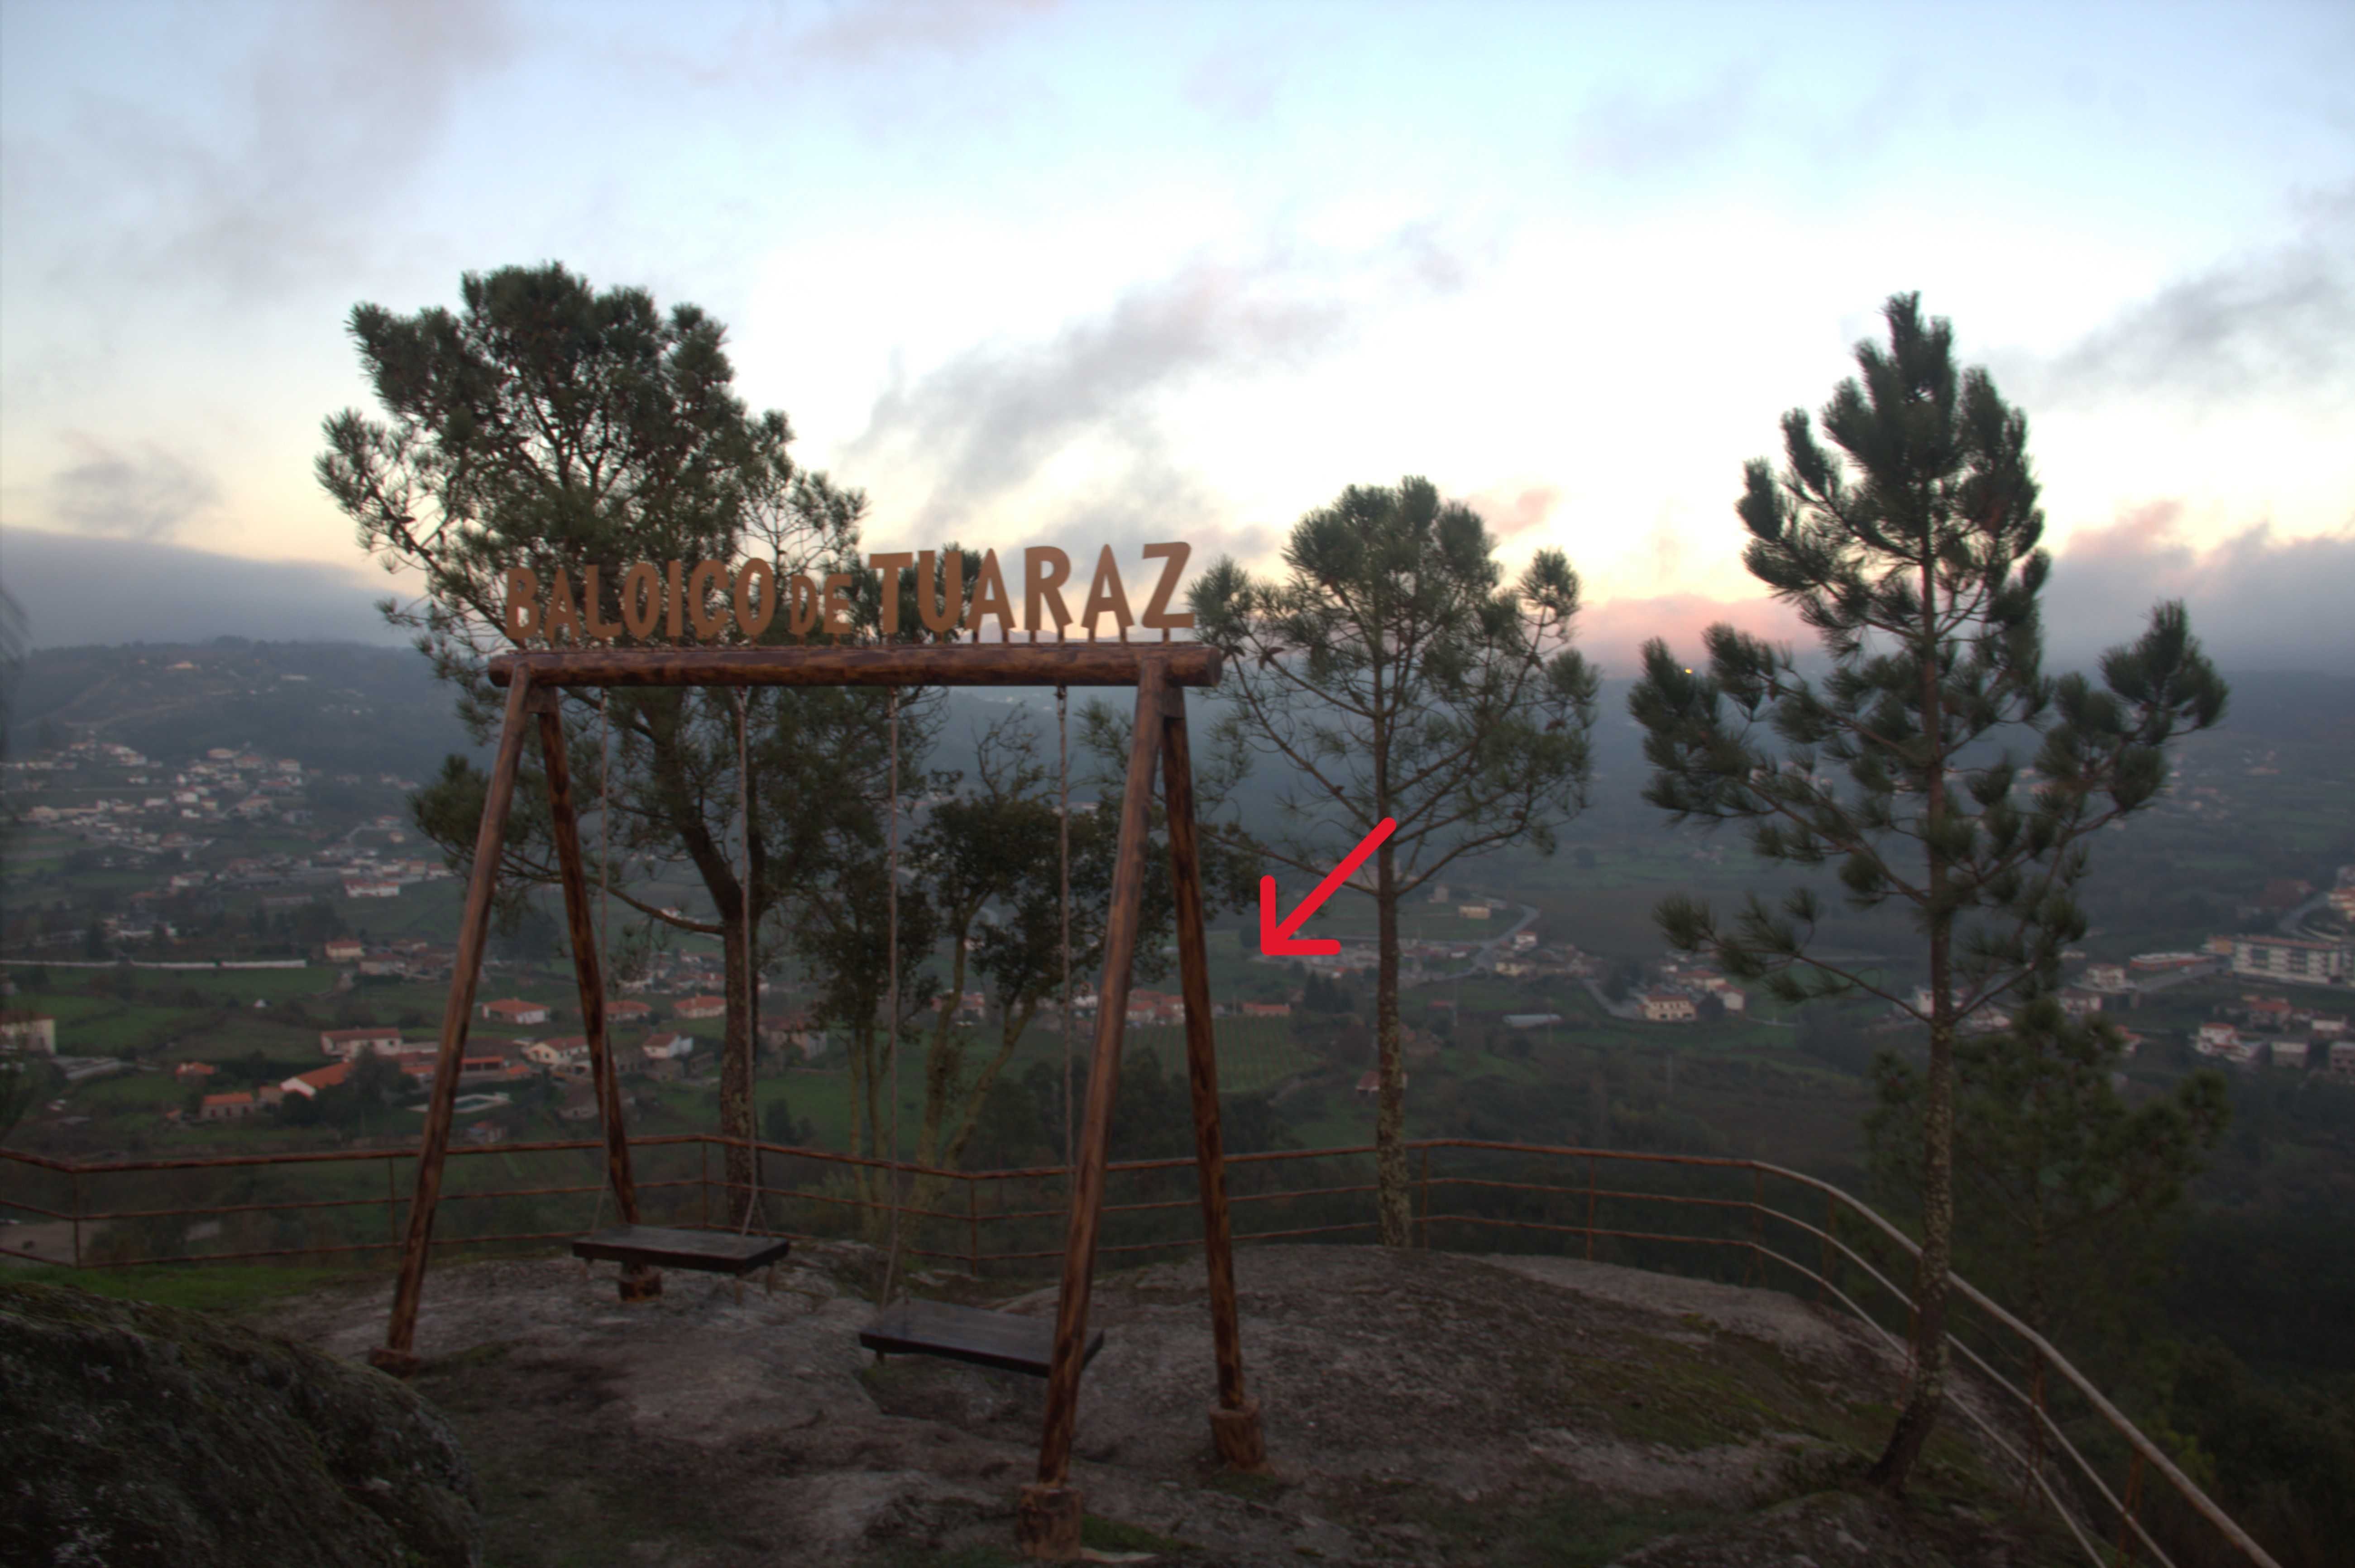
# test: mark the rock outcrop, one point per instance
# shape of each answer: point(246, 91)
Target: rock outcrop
point(1424, 1410)
point(136, 1434)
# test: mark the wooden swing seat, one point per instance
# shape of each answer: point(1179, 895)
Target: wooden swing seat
point(1002, 1340)
point(712, 1251)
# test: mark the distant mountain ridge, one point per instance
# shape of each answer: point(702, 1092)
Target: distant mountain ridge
point(344, 706)
point(351, 707)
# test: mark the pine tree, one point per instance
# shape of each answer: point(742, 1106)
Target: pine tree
point(551, 426)
point(1398, 677)
point(1912, 551)
point(2062, 1190)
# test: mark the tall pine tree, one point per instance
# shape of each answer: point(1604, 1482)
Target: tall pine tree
point(1910, 545)
point(1397, 674)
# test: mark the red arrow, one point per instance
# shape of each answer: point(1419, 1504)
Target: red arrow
point(1277, 941)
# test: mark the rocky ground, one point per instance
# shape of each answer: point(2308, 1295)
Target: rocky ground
point(1421, 1408)
point(133, 1435)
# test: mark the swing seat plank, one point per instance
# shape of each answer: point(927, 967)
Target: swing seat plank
point(712, 1251)
point(974, 1334)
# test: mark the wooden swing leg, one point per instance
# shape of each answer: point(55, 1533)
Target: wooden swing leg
point(396, 1355)
point(638, 1282)
point(1047, 1523)
point(1234, 1420)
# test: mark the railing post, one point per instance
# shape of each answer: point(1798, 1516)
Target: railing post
point(2036, 1434)
point(1426, 1201)
point(2131, 1507)
point(972, 1224)
point(1757, 1221)
point(391, 1204)
point(1831, 1219)
point(1590, 1208)
point(703, 1184)
point(76, 1220)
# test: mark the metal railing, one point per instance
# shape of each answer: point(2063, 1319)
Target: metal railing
point(1740, 1220)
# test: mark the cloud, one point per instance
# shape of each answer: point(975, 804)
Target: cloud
point(143, 494)
point(1070, 421)
point(1642, 133)
point(1632, 135)
point(76, 591)
point(323, 128)
point(1509, 513)
point(2275, 320)
point(867, 31)
point(986, 423)
point(1612, 634)
point(1236, 81)
point(2256, 600)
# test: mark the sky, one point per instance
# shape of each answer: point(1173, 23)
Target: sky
point(1034, 272)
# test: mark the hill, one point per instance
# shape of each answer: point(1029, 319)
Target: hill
point(345, 707)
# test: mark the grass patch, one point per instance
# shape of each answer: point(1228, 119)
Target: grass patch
point(1575, 1534)
point(1112, 1535)
point(216, 1288)
point(1568, 1532)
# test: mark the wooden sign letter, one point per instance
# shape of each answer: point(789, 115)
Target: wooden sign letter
point(706, 577)
point(593, 611)
point(801, 605)
point(835, 603)
point(642, 600)
point(561, 610)
point(752, 618)
point(988, 597)
point(1106, 596)
point(523, 604)
point(889, 566)
point(939, 614)
point(1157, 609)
point(1045, 570)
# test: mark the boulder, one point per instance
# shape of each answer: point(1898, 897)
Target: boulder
point(143, 1435)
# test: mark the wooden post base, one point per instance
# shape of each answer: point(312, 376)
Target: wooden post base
point(640, 1284)
point(1047, 1523)
point(1237, 1434)
point(396, 1363)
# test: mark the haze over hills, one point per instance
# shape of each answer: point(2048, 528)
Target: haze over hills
point(2257, 603)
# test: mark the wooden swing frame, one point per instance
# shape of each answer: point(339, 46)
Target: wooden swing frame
point(1050, 1508)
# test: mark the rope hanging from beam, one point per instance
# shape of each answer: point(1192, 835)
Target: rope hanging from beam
point(891, 989)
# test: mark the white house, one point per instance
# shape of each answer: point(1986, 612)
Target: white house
point(2292, 959)
point(348, 1043)
point(21, 1031)
point(562, 1052)
point(1668, 1007)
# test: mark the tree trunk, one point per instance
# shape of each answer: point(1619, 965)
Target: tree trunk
point(944, 1054)
point(860, 1047)
point(1926, 1389)
point(736, 1099)
point(1396, 1209)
